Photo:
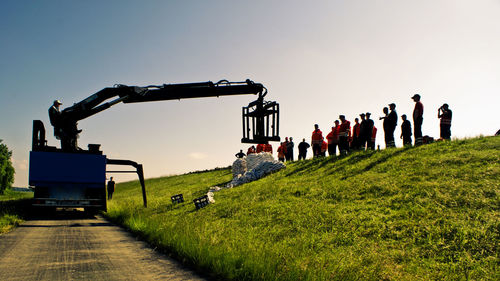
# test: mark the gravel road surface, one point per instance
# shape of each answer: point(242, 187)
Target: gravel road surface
point(71, 246)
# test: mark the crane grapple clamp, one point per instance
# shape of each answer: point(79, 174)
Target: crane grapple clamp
point(261, 122)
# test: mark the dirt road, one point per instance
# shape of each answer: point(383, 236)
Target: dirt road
point(75, 247)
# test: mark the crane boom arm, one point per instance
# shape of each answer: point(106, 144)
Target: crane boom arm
point(133, 94)
point(256, 116)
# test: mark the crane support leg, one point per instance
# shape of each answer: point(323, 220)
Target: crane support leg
point(139, 171)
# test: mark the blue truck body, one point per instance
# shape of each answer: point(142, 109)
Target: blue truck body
point(71, 180)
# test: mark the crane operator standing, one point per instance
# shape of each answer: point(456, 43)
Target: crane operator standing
point(54, 116)
point(65, 131)
point(67, 143)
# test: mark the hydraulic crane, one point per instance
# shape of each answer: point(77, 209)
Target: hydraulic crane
point(73, 177)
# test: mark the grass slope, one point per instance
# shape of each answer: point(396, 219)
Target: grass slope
point(13, 207)
point(430, 212)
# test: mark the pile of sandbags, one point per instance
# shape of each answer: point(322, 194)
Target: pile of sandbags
point(254, 160)
point(257, 166)
point(248, 169)
point(263, 169)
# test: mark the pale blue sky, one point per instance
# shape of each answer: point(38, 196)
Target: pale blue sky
point(318, 59)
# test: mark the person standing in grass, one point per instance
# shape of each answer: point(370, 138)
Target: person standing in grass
point(303, 146)
point(385, 125)
point(393, 122)
point(332, 139)
point(405, 131)
point(370, 132)
point(285, 145)
point(240, 154)
point(316, 140)
point(418, 119)
point(282, 152)
point(444, 113)
point(324, 147)
point(355, 135)
point(111, 188)
point(390, 123)
point(289, 150)
point(344, 134)
point(362, 132)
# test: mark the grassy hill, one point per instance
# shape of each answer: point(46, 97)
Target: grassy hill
point(425, 213)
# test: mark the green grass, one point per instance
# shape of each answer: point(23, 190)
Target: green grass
point(13, 207)
point(425, 213)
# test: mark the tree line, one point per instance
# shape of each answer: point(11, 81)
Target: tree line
point(6, 169)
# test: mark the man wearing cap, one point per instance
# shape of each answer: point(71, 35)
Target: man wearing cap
point(444, 113)
point(54, 116)
point(418, 119)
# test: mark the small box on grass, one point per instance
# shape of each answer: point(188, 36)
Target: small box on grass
point(177, 198)
point(201, 202)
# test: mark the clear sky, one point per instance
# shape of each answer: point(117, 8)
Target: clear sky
point(318, 59)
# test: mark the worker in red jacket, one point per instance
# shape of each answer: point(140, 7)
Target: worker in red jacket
point(333, 139)
point(355, 135)
point(260, 147)
point(251, 150)
point(373, 138)
point(268, 148)
point(344, 134)
point(316, 140)
point(332, 147)
point(282, 152)
point(324, 147)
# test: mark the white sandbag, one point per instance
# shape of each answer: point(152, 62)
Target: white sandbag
point(210, 196)
point(239, 167)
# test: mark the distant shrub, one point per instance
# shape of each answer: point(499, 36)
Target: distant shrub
point(6, 169)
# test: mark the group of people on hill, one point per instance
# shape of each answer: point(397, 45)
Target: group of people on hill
point(285, 150)
point(261, 147)
point(363, 133)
